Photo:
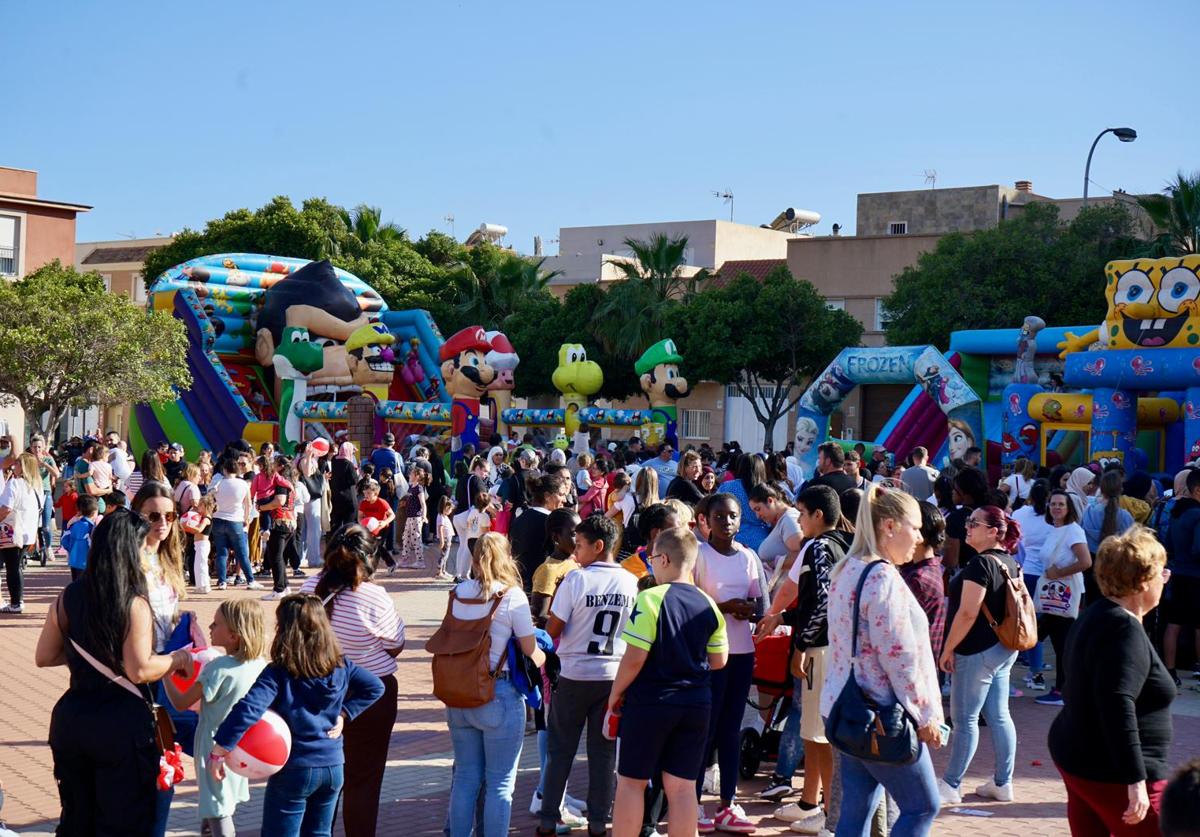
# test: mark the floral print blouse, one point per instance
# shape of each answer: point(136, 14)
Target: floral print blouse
point(895, 661)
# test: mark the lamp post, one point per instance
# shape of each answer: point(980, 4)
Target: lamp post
point(1123, 134)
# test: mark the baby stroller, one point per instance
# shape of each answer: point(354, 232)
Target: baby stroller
point(771, 700)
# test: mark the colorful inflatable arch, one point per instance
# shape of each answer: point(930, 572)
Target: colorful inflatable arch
point(924, 366)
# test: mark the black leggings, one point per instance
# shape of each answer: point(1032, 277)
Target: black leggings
point(1056, 628)
point(14, 574)
point(730, 688)
point(283, 538)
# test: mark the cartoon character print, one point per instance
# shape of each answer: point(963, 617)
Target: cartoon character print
point(1014, 404)
point(1029, 435)
point(1121, 401)
point(1052, 409)
point(1100, 411)
point(1189, 410)
point(1080, 410)
point(830, 390)
point(1096, 367)
point(935, 383)
point(1194, 453)
point(1009, 444)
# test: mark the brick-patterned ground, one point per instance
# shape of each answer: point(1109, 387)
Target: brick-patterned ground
point(417, 781)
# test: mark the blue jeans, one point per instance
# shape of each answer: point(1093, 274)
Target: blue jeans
point(912, 786)
point(301, 800)
point(228, 535)
point(791, 746)
point(487, 746)
point(1035, 655)
point(47, 518)
point(980, 683)
point(162, 810)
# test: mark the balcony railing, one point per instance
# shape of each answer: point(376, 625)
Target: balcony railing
point(8, 261)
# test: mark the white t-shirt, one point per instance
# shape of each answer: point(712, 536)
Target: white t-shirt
point(595, 602)
point(118, 462)
point(231, 500)
point(445, 528)
point(478, 523)
point(1019, 487)
point(774, 545)
point(512, 617)
point(794, 472)
point(1034, 531)
point(726, 577)
point(1056, 551)
point(26, 506)
point(626, 504)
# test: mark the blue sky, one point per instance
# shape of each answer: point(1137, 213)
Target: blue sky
point(541, 115)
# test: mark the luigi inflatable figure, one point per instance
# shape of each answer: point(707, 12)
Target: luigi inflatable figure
point(658, 373)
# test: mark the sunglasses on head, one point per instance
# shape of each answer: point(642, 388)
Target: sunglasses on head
point(159, 517)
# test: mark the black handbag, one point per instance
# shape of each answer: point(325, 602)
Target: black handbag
point(862, 728)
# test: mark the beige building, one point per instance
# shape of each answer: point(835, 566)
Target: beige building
point(119, 263)
point(34, 231)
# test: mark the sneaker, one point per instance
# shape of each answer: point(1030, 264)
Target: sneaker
point(1036, 683)
point(712, 780)
point(298, 574)
point(274, 595)
point(1051, 698)
point(254, 585)
point(445, 577)
point(1013, 692)
point(1000, 793)
point(220, 586)
point(733, 820)
point(204, 591)
point(704, 823)
point(777, 788)
point(812, 824)
point(792, 812)
point(535, 803)
point(578, 807)
point(571, 821)
point(12, 608)
point(949, 795)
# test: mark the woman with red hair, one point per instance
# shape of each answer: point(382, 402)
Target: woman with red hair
point(981, 665)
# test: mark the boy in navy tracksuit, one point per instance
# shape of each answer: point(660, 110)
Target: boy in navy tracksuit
point(77, 537)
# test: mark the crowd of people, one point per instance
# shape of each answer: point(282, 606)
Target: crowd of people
point(636, 595)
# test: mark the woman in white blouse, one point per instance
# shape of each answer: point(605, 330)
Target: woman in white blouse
point(371, 634)
point(20, 506)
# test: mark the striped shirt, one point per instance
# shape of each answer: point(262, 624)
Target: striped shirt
point(366, 624)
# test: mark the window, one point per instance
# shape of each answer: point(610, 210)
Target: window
point(696, 424)
point(9, 241)
point(881, 319)
point(107, 277)
point(898, 228)
point(835, 303)
point(139, 287)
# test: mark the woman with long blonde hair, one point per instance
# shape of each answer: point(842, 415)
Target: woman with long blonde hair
point(487, 739)
point(894, 662)
point(20, 506)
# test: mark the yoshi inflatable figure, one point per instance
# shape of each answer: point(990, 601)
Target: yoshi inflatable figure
point(577, 378)
point(296, 357)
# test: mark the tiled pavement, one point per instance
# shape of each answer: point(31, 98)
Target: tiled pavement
point(416, 784)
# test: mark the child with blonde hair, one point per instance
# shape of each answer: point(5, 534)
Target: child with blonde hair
point(238, 628)
point(201, 532)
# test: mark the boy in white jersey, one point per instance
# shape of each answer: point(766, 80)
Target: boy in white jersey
point(588, 613)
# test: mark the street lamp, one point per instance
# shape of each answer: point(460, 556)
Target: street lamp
point(1123, 134)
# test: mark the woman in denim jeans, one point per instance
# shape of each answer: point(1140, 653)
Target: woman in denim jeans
point(230, 523)
point(980, 663)
point(487, 739)
point(894, 663)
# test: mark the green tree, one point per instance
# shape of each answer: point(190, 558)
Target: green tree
point(66, 343)
point(996, 277)
point(766, 338)
point(635, 312)
point(366, 226)
point(491, 283)
point(1177, 213)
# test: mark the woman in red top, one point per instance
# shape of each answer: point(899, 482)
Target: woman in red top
point(281, 507)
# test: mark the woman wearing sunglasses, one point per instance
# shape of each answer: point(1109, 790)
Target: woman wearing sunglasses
point(981, 665)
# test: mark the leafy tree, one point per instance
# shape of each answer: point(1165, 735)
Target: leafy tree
point(440, 249)
point(491, 283)
point(635, 312)
point(996, 277)
point(366, 226)
point(766, 338)
point(1177, 213)
point(65, 342)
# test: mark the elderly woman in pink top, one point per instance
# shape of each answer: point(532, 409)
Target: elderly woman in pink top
point(894, 663)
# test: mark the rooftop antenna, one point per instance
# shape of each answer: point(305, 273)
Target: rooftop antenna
point(727, 197)
point(931, 178)
point(130, 235)
point(449, 219)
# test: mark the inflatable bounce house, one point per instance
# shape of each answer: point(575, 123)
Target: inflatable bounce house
point(285, 349)
point(1127, 390)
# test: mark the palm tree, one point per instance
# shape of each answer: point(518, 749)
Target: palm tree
point(365, 223)
point(1177, 213)
point(488, 297)
point(634, 312)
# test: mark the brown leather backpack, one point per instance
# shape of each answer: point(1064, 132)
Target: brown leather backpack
point(462, 676)
point(1018, 630)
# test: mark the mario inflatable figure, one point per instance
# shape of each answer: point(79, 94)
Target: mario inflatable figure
point(468, 375)
point(658, 372)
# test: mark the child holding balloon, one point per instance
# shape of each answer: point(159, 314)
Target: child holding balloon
point(220, 683)
point(314, 690)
